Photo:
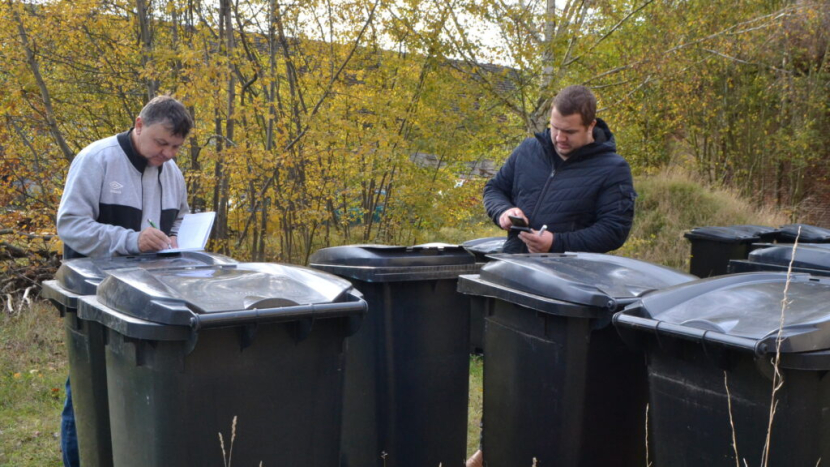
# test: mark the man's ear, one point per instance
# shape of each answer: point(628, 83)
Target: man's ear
point(139, 124)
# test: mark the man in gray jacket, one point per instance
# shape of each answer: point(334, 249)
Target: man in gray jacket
point(124, 195)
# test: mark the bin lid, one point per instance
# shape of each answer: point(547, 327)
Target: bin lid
point(809, 233)
point(722, 234)
point(486, 245)
point(743, 311)
point(806, 256)
point(82, 276)
point(388, 263)
point(174, 296)
point(587, 279)
point(762, 231)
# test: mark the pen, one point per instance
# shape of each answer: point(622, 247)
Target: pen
point(542, 230)
point(153, 225)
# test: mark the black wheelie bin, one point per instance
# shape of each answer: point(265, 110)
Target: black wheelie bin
point(481, 248)
point(253, 352)
point(811, 258)
point(85, 339)
point(560, 387)
point(712, 247)
point(407, 372)
point(711, 345)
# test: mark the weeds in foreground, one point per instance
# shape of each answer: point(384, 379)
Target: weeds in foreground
point(648, 462)
point(228, 458)
point(777, 379)
point(731, 420)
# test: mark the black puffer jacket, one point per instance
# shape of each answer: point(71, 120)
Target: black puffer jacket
point(587, 201)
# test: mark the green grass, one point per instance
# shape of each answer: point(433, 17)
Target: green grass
point(32, 375)
point(475, 404)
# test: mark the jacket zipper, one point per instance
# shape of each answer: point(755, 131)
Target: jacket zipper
point(542, 193)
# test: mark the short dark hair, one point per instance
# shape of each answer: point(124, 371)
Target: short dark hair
point(577, 100)
point(170, 113)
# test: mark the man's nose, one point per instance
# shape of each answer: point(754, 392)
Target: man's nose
point(560, 136)
point(169, 153)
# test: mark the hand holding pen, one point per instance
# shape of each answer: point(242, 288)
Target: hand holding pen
point(150, 240)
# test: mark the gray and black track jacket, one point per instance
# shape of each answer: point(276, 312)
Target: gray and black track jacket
point(111, 193)
point(587, 201)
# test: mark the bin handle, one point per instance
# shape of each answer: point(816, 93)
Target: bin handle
point(276, 315)
point(689, 333)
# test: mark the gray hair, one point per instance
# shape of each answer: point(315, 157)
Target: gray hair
point(169, 112)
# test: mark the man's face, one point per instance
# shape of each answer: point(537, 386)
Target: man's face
point(155, 143)
point(568, 133)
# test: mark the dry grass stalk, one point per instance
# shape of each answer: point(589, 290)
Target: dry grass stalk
point(648, 462)
point(227, 459)
point(777, 380)
point(732, 421)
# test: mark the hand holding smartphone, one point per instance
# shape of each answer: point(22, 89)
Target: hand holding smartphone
point(518, 224)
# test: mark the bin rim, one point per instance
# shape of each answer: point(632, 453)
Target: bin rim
point(473, 284)
point(721, 234)
point(389, 257)
point(593, 279)
point(809, 333)
point(91, 308)
point(177, 296)
point(84, 275)
point(64, 300)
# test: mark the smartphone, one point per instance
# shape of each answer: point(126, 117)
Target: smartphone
point(518, 224)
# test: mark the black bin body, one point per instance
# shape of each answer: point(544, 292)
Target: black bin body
point(192, 353)
point(560, 386)
point(85, 340)
point(481, 248)
point(407, 372)
point(712, 247)
point(811, 258)
point(710, 345)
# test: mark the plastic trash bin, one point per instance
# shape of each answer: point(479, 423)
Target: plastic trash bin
point(559, 384)
point(811, 258)
point(809, 234)
point(191, 350)
point(407, 372)
point(85, 340)
point(710, 345)
point(480, 248)
point(713, 246)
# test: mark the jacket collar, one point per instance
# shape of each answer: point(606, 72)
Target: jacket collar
point(126, 142)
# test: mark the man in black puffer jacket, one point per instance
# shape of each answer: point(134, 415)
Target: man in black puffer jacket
point(568, 178)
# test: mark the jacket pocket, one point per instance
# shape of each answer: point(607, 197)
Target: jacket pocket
point(627, 198)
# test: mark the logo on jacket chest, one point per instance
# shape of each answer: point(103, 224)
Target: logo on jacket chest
point(116, 187)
